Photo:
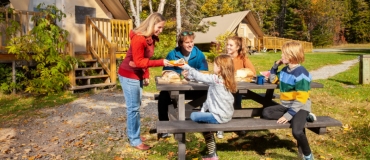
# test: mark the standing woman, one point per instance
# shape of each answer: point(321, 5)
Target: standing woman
point(133, 72)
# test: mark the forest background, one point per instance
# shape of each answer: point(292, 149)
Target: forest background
point(323, 22)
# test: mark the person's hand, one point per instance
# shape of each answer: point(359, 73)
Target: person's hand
point(146, 82)
point(184, 66)
point(132, 64)
point(282, 120)
point(167, 63)
point(279, 62)
point(185, 73)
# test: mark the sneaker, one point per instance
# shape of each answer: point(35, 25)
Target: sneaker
point(311, 117)
point(210, 156)
point(309, 157)
point(241, 133)
point(165, 135)
point(220, 134)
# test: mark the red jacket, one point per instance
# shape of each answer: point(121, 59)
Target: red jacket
point(140, 51)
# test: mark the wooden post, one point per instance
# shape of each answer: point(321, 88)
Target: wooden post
point(364, 77)
point(72, 73)
point(88, 40)
point(13, 76)
point(113, 63)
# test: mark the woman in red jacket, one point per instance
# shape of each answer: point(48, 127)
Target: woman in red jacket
point(133, 72)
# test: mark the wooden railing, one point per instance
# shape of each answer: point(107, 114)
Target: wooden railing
point(116, 31)
point(120, 33)
point(23, 18)
point(101, 48)
point(275, 43)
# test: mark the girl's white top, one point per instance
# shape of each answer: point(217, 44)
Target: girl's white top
point(219, 100)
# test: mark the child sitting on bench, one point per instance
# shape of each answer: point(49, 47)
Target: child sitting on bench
point(218, 108)
point(294, 84)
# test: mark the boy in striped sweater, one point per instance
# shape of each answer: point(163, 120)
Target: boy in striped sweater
point(294, 83)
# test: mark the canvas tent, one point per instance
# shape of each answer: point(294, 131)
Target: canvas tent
point(241, 23)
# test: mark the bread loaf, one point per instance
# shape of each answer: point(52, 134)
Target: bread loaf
point(244, 73)
point(170, 76)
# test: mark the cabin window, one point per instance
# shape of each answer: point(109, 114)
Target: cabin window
point(81, 12)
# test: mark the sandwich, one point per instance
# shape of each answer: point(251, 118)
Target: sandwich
point(178, 62)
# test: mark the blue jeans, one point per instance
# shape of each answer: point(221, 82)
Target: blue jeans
point(132, 91)
point(203, 117)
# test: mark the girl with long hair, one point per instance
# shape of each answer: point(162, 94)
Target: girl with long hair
point(218, 107)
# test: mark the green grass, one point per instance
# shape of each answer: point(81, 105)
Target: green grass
point(15, 106)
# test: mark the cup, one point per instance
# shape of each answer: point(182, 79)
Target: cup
point(260, 80)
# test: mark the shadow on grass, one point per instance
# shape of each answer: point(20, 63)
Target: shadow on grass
point(342, 81)
point(257, 141)
point(355, 52)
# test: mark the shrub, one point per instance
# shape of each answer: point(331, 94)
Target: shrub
point(6, 82)
point(219, 47)
point(167, 42)
point(44, 44)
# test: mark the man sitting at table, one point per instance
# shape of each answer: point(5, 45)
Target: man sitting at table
point(193, 57)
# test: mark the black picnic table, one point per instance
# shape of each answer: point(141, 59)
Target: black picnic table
point(186, 91)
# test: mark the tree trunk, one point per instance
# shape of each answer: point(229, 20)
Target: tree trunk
point(161, 6)
point(178, 18)
point(281, 19)
point(135, 12)
point(150, 6)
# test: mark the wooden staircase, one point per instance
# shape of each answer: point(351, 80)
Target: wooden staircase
point(91, 75)
point(106, 40)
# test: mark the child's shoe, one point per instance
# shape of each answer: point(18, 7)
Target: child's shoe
point(311, 117)
point(309, 157)
point(210, 157)
point(220, 134)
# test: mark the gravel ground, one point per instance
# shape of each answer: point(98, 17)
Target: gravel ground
point(331, 70)
point(90, 125)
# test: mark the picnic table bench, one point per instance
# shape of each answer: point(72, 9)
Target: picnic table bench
point(243, 119)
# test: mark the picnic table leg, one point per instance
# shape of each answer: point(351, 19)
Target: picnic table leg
point(268, 95)
point(180, 137)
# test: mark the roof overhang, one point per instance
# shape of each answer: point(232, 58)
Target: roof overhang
point(115, 7)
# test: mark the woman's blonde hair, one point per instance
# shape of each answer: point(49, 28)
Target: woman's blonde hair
point(146, 27)
point(240, 42)
point(226, 65)
point(293, 51)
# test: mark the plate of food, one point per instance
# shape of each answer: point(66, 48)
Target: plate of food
point(178, 62)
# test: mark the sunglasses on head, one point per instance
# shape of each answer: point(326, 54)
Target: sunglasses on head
point(186, 33)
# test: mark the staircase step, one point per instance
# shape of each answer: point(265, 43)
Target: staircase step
point(83, 55)
point(90, 68)
point(88, 60)
point(89, 77)
point(92, 86)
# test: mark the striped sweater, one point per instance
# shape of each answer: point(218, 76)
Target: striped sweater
point(294, 84)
